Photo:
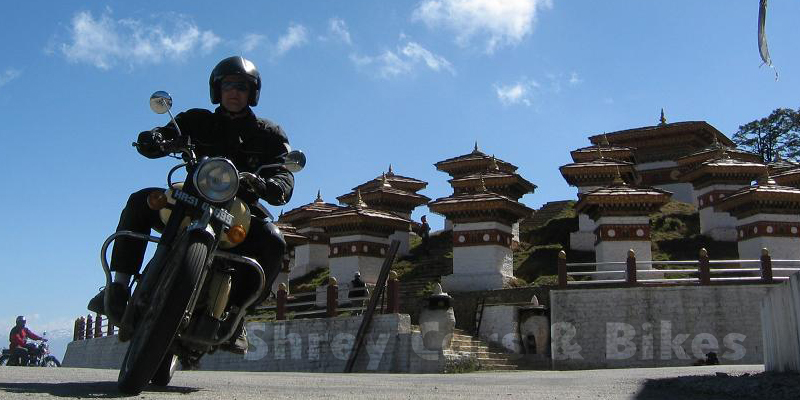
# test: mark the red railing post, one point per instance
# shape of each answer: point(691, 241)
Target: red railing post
point(98, 326)
point(392, 294)
point(562, 269)
point(766, 266)
point(89, 326)
point(333, 297)
point(280, 307)
point(630, 270)
point(703, 268)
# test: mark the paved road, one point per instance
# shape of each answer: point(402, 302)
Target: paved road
point(18, 382)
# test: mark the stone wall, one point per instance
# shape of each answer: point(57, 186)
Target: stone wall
point(780, 316)
point(304, 345)
point(655, 326)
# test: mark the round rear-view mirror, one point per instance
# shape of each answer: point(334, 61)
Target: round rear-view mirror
point(160, 102)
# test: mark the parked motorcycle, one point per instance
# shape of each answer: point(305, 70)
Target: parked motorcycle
point(180, 308)
point(38, 356)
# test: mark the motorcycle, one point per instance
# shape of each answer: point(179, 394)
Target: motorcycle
point(180, 308)
point(38, 356)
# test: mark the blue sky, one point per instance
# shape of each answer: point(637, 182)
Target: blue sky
point(357, 85)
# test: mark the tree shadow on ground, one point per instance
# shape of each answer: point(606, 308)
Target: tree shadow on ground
point(723, 386)
point(96, 390)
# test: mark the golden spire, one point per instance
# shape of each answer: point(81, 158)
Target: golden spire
point(359, 201)
point(384, 181)
point(475, 150)
point(319, 197)
point(618, 179)
point(391, 172)
point(663, 118)
point(493, 164)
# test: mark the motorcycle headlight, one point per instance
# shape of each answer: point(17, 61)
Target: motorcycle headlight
point(216, 180)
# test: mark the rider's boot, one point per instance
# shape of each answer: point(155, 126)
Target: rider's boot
point(238, 343)
point(118, 300)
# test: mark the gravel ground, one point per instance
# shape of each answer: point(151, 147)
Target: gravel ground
point(706, 382)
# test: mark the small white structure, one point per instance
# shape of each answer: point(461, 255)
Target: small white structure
point(359, 240)
point(312, 253)
point(591, 175)
point(767, 217)
point(482, 256)
point(623, 223)
point(713, 180)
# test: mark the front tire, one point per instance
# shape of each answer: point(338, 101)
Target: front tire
point(152, 338)
point(51, 361)
point(165, 371)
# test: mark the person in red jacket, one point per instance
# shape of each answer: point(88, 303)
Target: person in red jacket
point(20, 348)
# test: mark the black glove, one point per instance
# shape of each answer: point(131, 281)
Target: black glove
point(254, 187)
point(149, 144)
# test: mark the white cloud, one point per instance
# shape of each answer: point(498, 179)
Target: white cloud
point(9, 75)
point(337, 29)
point(295, 36)
point(501, 23)
point(405, 60)
point(105, 42)
point(415, 53)
point(517, 93)
point(252, 41)
point(574, 79)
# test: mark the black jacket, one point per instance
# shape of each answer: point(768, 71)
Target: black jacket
point(249, 142)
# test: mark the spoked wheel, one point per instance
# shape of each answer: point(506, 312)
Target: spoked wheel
point(165, 371)
point(51, 362)
point(152, 338)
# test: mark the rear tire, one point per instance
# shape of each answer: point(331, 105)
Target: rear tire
point(153, 337)
point(165, 371)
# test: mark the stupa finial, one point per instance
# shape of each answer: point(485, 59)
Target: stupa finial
point(604, 140)
point(359, 201)
point(493, 164)
point(475, 150)
point(618, 179)
point(384, 181)
point(391, 171)
point(319, 197)
point(663, 118)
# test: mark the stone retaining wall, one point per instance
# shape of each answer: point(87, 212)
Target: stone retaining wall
point(656, 326)
point(307, 345)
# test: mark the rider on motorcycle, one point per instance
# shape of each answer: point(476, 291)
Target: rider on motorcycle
point(231, 131)
point(20, 348)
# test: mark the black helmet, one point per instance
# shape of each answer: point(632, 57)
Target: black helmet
point(21, 321)
point(235, 66)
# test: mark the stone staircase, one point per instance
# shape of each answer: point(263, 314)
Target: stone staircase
point(489, 359)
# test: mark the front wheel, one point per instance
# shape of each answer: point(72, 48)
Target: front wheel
point(165, 371)
point(152, 338)
point(51, 361)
